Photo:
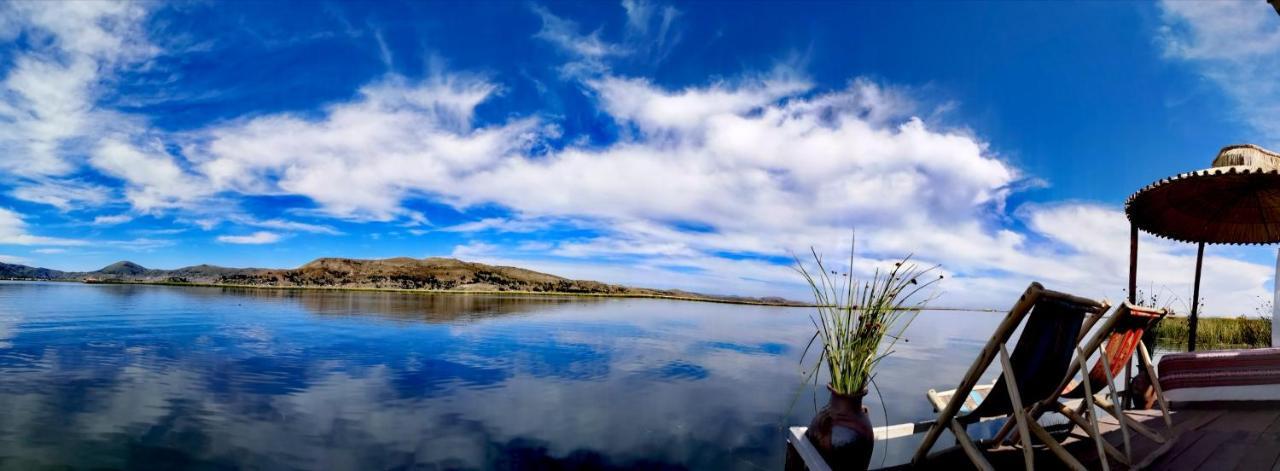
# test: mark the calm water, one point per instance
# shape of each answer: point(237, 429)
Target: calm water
point(165, 377)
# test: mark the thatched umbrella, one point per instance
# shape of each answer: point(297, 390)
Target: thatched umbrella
point(1236, 201)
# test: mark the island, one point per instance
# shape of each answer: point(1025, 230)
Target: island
point(432, 275)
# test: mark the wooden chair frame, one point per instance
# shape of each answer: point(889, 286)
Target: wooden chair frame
point(994, 347)
point(1084, 415)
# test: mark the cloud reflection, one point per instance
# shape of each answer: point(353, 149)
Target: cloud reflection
point(125, 376)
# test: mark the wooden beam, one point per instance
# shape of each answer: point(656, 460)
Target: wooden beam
point(812, 459)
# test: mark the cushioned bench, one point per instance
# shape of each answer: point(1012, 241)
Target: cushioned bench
point(1223, 375)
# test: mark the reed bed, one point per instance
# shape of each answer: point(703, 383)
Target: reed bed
point(1222, 332)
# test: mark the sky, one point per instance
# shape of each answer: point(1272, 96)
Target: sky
point(696, 146)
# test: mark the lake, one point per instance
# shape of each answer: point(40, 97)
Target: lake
point(185, 377)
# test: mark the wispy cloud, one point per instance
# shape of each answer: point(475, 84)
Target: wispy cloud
point(153, 179)
point(1236, 44)
point(13, 231)
point(364, 157)
point(141, 244)
point(498, 225)
point(565, 34)
point(111, 220)
point(652, 27)
point(50, 93)
point(14, 259)
point(286, 225)
point(260, 237)
point(64, 194)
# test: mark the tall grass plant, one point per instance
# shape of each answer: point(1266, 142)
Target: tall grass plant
point(853, 318)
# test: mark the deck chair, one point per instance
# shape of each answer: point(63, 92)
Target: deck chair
point(1116, 341)
point(1055, 323)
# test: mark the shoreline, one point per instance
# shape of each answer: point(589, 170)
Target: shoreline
point(474, 292)
point(426, 291)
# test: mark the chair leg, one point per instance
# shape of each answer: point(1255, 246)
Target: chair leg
point(1086, 425)
point(1106, 405)
point(1155, 384)
point(1001, 334)
point(1088, 399)
point(1119, 408)
point(1018, 412)
point(1056, 447)
point(970, 449)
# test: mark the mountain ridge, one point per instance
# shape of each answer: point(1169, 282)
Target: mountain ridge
point(399, 273)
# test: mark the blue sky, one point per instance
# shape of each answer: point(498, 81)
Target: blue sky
point(688, 146)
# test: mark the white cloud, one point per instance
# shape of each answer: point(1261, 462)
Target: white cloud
point(1236, 44)
point(112, 220)
point(654, 111)
point(495, 224)
point(50, 251)
point(286, 225)
point(564, 34)
point(360, 161)
point(706, 185)
point(14, 259)
point(50, 93)
point(142, 244)
point(759, 167)
point(642, 17)
point(13, 231)
point(260, 237)
point(153, 178)
point(65, 195)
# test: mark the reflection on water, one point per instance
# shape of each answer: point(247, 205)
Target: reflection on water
point(167, 377)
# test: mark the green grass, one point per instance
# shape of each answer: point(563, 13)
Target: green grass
point(1221, 332)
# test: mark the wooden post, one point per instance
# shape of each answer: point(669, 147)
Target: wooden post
point(1195, 300)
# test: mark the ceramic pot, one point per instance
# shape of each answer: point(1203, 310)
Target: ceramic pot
point(842, 432)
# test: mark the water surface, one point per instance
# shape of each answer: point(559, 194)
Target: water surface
point(122, 376)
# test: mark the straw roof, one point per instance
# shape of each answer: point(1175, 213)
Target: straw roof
point(1236, 201)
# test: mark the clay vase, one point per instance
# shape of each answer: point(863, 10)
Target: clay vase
point(842, 432)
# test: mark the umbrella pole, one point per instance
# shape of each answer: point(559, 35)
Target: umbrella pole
point(1275, 306)
point(1133, 263)
point(1133, 298)
point(1195, 300)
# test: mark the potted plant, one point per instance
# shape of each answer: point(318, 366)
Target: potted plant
point(852, 319)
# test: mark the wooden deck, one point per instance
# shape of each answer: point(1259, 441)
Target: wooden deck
point(1238, 436)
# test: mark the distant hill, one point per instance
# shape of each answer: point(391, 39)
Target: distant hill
point(11, 271)
point(439, 274)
